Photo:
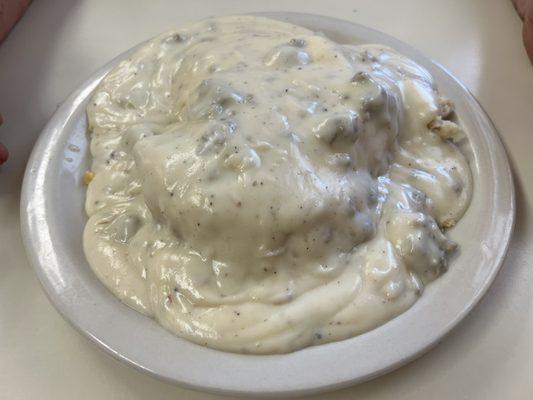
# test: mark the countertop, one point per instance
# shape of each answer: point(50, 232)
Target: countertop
point(59, 43)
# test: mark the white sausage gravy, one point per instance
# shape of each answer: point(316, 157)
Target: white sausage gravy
point(259, 188)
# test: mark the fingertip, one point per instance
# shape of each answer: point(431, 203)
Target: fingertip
point(4, 154)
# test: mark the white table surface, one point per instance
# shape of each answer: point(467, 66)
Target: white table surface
point(59, 43)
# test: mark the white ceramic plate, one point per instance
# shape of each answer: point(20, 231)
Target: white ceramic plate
point(53, 218)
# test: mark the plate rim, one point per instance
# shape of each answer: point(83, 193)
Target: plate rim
point(70, 105)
